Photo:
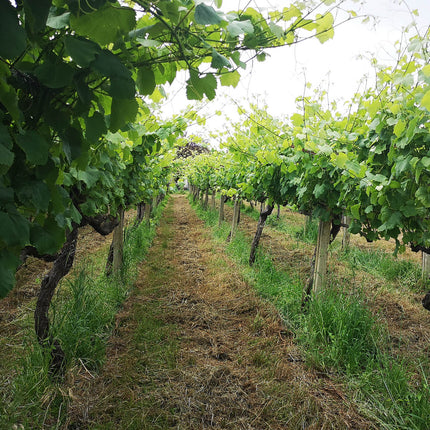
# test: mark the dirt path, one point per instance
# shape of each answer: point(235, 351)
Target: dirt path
point(194, 348)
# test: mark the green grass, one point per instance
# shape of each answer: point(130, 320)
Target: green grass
point(82, 316)
point(383, 264)
point(339, 332)
point(339, 335)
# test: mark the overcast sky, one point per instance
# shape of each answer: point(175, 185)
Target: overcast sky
point(337, 65)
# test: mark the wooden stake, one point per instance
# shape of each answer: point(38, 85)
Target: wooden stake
point(321, 256)
point(235, 219)
point(346, 236)
point(118, 243)
point(221, 210)
point(426, 266)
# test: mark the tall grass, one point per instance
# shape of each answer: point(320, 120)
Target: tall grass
point(83, 313)
point(338, 334)
point(380, 263)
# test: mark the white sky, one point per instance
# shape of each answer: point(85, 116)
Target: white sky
point(334, 65)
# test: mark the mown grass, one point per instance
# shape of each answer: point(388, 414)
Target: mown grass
point(82, 316)
point(339, 335)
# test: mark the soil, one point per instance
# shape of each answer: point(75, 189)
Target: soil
point(235, 365)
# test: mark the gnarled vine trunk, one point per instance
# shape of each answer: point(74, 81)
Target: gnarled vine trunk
point(116, 249)
point(61, 267)
point(222, 201)
point(260, 226)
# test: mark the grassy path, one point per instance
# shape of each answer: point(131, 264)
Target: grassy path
point(195, 348)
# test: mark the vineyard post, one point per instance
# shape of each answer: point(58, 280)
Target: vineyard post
point(221, 209)
point(118, 243)
point(206, 200)
point(346, 236)
point(213, 205)
point(321, 256)
point(235, 219)
point(425, 266)
point(148, 210)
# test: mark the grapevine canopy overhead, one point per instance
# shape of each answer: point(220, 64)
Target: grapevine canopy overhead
point(75, 79)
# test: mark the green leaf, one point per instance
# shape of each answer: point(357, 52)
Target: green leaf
point(47, 238)
point(106, 24)
point(8, 95)
point(36, 148)
point(218, 3)
point(145, 81)
point(123, 88)
point(291, 12)
point(206, 15)
point(54, 73)
point(109, 64)
point(355, 211)
point(219, 61)
point(72, 141)
point(319, 190)
point(236, 58)
point(399, 128)
point(36, 14)
point(324, 27)
point(425, 101)
point(95, 127)
point(14, 229)
point(423, 195)
point(409, 209)
point(426, 70)
point(230, 79)
point(82, 51)
point(198, 87)
point(35, 193)
point(58, 19)
point(394, 220)
point(123, 111)
point(8, 265)
point(277, 30)
point(341, 159)
point(237, 28)
point(90, 176)
point(6, 156)
point(13, 39)
point(425, 162)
